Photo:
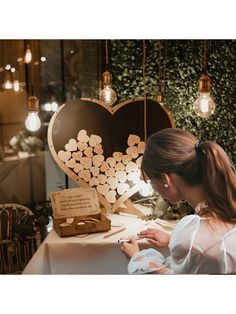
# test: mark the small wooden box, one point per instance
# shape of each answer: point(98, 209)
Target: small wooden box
point(87, 224)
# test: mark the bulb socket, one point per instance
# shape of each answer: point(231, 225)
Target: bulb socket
point(107, 78)
point(204, 84)
point(33, 104)
point(159, 97)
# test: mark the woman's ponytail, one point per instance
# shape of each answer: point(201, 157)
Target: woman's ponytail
point(219, 181)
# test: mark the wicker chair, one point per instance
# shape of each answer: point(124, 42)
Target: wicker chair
point(19, 239)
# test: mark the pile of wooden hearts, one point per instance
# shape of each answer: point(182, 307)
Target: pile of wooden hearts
point(111, 177)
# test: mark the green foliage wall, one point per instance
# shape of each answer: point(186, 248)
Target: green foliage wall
point(184, 61)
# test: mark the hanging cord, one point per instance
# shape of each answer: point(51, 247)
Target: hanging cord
point(204, 56)
point(106, 55)
point(32, 69)
point(164, 69)
point(159, 65)
point(144, 93)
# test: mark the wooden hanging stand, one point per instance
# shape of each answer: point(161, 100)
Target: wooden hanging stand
point(128, 208)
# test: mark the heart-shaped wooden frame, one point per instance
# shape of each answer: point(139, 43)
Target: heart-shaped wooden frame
point(85, 113)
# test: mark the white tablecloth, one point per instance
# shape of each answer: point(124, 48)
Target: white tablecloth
point(92, 254)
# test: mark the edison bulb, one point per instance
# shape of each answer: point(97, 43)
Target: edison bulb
point(7, 84)
point(16, 86)
point(32, 122)
point(204, 106)
point(28, 56)
point(108, 95)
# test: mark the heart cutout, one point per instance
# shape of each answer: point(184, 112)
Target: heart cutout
point(109, 144)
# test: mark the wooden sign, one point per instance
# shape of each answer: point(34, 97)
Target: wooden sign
point(74, 202)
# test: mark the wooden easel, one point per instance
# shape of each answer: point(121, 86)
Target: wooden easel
point(128, 208)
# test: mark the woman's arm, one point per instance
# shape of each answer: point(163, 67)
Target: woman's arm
point(145, 261)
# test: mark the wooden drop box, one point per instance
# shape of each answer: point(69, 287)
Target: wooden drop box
point(82, 225)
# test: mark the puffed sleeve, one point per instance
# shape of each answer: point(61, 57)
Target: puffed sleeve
point(182, 259)
point(184, 256)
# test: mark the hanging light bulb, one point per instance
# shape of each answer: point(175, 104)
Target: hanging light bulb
point(16, 86)
point(51, 106)
point(32, 122)
point(204, 106)
point(7, 84)
point(28, 55)
point(108, 95)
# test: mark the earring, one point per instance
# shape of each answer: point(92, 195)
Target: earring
point(166, 185)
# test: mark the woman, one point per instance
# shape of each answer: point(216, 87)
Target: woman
point(180, 167)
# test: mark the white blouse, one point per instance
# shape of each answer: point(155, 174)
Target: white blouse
point(195, 248)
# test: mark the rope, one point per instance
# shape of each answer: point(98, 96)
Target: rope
point(106, 54)
point(162, 70)
point(145, 93)
point(204, 56)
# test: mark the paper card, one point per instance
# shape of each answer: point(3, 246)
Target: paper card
point(75, 202)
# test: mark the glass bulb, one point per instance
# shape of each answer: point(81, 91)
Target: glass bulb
point(50, 106)
point(55, 106)
point(16, 86)
point(28, 56)
point(7, 84)
point(32, 122)
point(47, 107)
point(204, 106)
point(108, 95)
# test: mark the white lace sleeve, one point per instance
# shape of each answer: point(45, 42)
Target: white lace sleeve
point(149, 261)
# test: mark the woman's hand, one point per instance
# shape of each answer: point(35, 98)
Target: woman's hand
point(130, 248)
point(155, 236)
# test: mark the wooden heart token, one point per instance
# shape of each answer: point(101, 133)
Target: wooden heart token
point(94, 140)
point(77, 155)
point(141, 147)
point(70, 163)
point(71, 145)
point(103, 189)
point(64, 156)
point(98, 149)
point(122, 188)
point(86, 162)
point(102, 178)
point(121, 176)
point(111, 196)
point(82, 136)
point(117, 156)
point(78, 167)
point(133, 140)
point(132, 151)
point(97, 160)
point(94, 171)
point(131, 166)
point(88, 152)
point(113, 182)
point(85, 175)
point(94, 181)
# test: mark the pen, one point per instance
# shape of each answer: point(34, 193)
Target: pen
point(120, 241)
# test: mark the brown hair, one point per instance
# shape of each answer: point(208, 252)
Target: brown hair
point(175, 151)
